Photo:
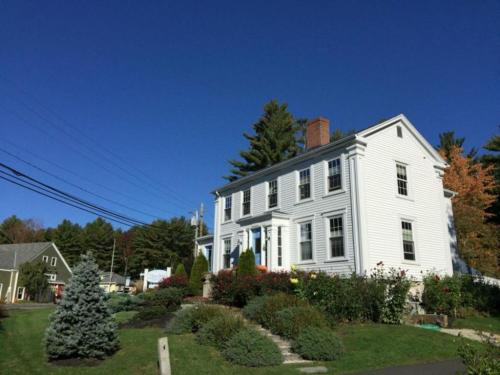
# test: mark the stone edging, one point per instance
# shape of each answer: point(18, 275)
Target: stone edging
point(163, 357)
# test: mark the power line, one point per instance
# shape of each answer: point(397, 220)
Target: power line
point(100, 148)
point(76, 186)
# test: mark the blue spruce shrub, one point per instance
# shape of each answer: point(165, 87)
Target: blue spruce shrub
point(82, 325)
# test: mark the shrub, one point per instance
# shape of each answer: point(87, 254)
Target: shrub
point(181, 323)
point(250, 348)
point(318, 344)
point(254, 307)
point(441, 294)
point(180, 270)
point(233, 290)
point(150, 313)
point(478, 294)
point(480, 362)
point(176, 281)
point(292, 320)
point(169, 298)
point(122, 302)
point(268, 314)
point(246, 264)
point(274, 282)
point(193, 318)
point(219, 330)
point(200, 267)
point(82, 325)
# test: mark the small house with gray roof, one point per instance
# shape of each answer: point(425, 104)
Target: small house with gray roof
point(12, 256)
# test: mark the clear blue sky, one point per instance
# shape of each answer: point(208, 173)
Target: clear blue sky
point(171, 86)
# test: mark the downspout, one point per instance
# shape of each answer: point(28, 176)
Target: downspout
point(216, 256)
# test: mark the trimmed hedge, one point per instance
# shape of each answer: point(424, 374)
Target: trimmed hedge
point(292, 321)
point(192, 319)
point(268, 314)
point(250, 348)
point(318, 344)
point(169, 298)
point(122, 302)
point(254, 307)
point(218, 331)
point(200, 267)
point(180, 270)
point(176, 281)
point(246, 264)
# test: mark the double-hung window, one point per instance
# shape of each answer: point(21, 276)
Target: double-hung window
point(246, 202)
point(53, 261)
point(273, 194)
point(305, 184)
point(227, 253)
point(408, 243)
point(402, 177)
point(45, 259)
point(280, 248)
point(20, 293)
point(228, 204)
point(306, 241)
point(334, 175)
point(336, 237)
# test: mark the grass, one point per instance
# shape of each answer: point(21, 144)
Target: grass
point(22, 350)
point(368, 346)
point(480, 323)
point(124, 316)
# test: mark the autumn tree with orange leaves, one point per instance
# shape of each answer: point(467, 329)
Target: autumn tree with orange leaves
point(474, 183)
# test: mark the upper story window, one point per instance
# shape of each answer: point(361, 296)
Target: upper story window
point(227, 253)
point(280, 248)
point(228, 204)
point(337, 237)
point(334, 175)
point(306, 241)
point(408, 243)
point(246, 202)
point(273, 194)
point(402, 179)
point(399, 131)
point(53, 261)
point(305, 184)
point(45, 259)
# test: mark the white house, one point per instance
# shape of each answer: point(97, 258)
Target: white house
point(343, 206)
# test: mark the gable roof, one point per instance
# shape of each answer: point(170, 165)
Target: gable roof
point(115, 278)
point(359, 137)
point(20, 253)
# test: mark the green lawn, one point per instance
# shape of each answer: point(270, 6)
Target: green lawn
point(22, 351)
point(481, 323)
point(368, 346)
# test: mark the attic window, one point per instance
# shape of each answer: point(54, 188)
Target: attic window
point(400, 131)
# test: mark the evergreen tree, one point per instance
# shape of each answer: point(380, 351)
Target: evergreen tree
point(68, 239)
point(14, 230)
point(493, 158)
point(98, 238)
point(275, 140)
point(200, 267)
point(180, 270)
point(32, 277)
point(82, 325)
point(246, 264)
point(447, 141)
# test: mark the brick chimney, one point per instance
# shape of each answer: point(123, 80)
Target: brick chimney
point(317, 132)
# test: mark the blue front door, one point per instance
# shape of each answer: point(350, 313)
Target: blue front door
point(257, 244)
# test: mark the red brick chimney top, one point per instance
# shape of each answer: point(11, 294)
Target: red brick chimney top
point(317, 132)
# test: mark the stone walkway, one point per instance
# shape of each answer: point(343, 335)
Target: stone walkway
point(283, 345)
point(470, 334)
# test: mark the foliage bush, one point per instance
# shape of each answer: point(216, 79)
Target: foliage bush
point(480, 362)
point(268, 315)
point(478, 294)
point(169, 298)
point(32, 275)
point(150, 313)
point(318, 344)
point(176, 281)
point(246, 264)
point(380, 297)
point(181, 322)
point(274, 282)
point(180, 270)
point(200, 267)
point(192, 319)
point(292, 320)
point(218, 331)
point(250, 348)
point(253, 308)
point(122, 302)
point(82, 325)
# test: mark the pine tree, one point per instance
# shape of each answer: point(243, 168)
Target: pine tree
point(180, 270)
point(68, 239)
point(275, 140)
point(246, 264)
point(98, 238)
point(493, 158)
point(447, 141)
point(82, 325)
point(200, 267)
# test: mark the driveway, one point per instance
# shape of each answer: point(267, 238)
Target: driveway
point(449, 367)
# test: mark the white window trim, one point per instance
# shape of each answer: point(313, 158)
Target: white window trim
point(303, 220)
point(51, 276)
point(45, 258)
point(414, 227)
point(1, 289)
point(409, 180)
point(53, 260)
point(23, 294)
point(278, 203)
point(328, 216)
point(230, 238)
point(224, 221)
point(326, 192)
point(311, 183)
point(251, 196)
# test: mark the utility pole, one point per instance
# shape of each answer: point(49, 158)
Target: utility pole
point(112, 261)
point(197, 222)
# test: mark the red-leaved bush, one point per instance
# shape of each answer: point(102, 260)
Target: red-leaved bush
point(174, 281)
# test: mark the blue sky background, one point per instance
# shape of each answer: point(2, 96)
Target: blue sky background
point(171, 86)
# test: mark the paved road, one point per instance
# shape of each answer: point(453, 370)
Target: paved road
point(449, 367)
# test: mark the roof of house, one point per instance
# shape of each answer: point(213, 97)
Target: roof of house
point(13, 255)
point(358, 137)
point(115, 278)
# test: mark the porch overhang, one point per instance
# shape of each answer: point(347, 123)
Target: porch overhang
point(266, 216)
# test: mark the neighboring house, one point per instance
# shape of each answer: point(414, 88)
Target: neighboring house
point(12, 256)
point(112, 282)
point(205, 245)
point(343, 206)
